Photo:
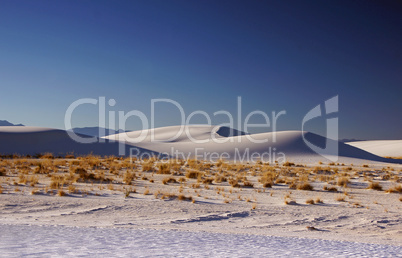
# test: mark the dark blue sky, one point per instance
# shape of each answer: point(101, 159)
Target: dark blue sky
point(276, 55)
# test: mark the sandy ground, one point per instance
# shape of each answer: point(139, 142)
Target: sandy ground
point(364, 215)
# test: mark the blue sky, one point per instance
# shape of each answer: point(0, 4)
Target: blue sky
point(276, 55)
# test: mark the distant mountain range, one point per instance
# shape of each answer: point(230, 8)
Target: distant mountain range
point(96, 131)
point(6, 123)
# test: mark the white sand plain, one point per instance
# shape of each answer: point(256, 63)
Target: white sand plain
point(353, 213)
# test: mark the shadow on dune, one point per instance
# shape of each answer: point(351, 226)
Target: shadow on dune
point(345, 150)
point(58, 142)
point(225, 131)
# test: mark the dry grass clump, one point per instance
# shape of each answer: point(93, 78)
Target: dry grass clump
point(35, 191)
point(248, 184)
point(268, 178)
point(146, 191)
point(289, 201)
point(33, 180)
point(234, 183)
point(61, 193)
point(310, 201)
point(220, 179)
point(128, 177)
point(288, 164)
point(1, 189)
point(164, 169)
point(375, 186)
point(304, 186)
point(148, 166)
point(182, 197)
point(3, 172)
point(182, 180)
point(330, 188)
point(340, 198)
point(22, 179)
point(41, 169)
point(318, 200)
point(83, 173)
point(57, 181)
point(194, 174)
point(170, 196)
point(267, 185)
point(395, 189)
point(167, 180)
point(207, 181)
point(343, 181)
point(72, 189)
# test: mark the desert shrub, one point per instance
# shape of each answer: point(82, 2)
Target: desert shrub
point(323, 170)
point(167, 180)
point(375, 186)
point(57, 181)
point(343, 181)
point(330, 188)
point(46, 155)
point(83, 173)
point(318, 200)
point(310, 201)
point(220, 179)
point(293, 185)
point(164, 169)
point(128, 177)
point(22, 179)
point(35, 191)
point(305, 186)
point(148, 166)
point(33, 180)
point(146, 191)
point(288, 164)
point(248, 184)
point(289, 201)
point(268, 178)
point(280, 180)
point(207, 181)
point(267, 185)
point(3, 172)
point(234, 183)
point(41, 169)
point(61, 193)
point(340, 198)
point(72, 189)
point(194, 174)
point(182, 197)
point(195, 186)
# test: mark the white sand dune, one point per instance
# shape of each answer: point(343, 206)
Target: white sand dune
point(201, 141)
point(28, 140)
point(388, 148)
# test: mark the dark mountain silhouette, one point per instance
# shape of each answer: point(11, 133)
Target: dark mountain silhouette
point(6, 123)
